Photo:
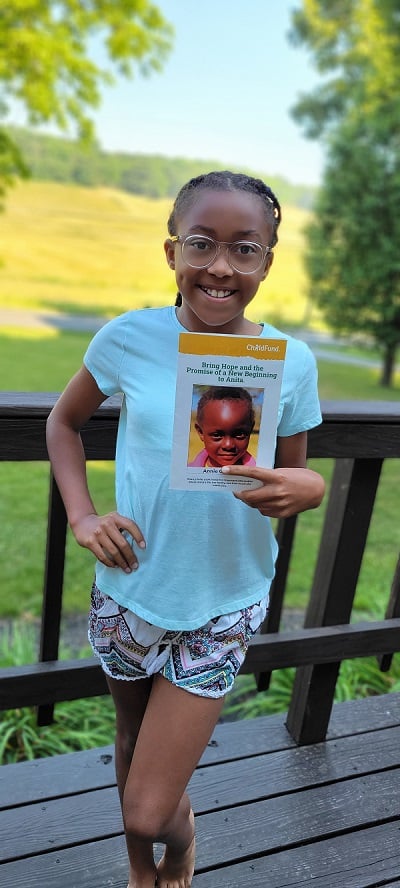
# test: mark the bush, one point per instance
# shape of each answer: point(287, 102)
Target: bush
point(78, 724)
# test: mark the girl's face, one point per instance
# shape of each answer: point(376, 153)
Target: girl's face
point(214, 298)
point(225, 431)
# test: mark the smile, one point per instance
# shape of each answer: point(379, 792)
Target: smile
point(217, 294)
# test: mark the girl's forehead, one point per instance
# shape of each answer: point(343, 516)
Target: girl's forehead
point(226, 407)
point(241, 212)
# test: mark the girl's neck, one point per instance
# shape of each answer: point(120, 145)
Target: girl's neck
point(240, 326)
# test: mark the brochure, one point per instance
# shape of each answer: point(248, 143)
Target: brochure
point(226, 408)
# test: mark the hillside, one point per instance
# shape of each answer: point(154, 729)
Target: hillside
point(57, 159)
point(100, 250)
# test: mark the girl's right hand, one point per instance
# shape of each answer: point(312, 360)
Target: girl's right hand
point(103, 535)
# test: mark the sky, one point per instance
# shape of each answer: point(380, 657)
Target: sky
point(224, 94)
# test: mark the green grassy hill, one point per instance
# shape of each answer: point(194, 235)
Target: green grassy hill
point(100, 251)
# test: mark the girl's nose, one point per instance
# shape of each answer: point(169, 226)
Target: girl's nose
point(220, 266)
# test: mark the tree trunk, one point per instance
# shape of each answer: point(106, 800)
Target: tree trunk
point(388, 366)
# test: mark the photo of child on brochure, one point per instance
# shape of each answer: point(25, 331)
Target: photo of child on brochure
point(224, 426)
point(226, 409)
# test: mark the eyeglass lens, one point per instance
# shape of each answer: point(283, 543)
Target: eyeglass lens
point(200, 252)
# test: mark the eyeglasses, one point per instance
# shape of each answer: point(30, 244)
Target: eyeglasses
point(200, 251)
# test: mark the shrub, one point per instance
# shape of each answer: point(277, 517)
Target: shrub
point(78, 724)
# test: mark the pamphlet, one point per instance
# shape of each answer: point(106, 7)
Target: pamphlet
point(226, 409)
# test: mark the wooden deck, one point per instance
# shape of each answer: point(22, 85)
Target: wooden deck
point(269, 813)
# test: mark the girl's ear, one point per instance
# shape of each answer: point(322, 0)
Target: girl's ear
point(199, 431)
point(268, 262)
point(169, 248)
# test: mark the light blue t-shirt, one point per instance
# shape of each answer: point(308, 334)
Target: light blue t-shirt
point(206, 553)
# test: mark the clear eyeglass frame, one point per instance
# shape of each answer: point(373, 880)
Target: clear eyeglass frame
point(184, 239)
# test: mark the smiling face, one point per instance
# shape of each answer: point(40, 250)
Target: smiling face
point(225, 429)
point(214, 299)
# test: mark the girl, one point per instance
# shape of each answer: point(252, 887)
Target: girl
point(171, 635)
point(224, 422)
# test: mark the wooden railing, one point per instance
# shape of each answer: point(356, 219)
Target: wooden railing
point(359, 436)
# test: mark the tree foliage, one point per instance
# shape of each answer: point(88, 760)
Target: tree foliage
point(353, 258)
point(46, 66)
point(355, 47)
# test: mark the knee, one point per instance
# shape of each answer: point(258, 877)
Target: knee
point(144, 822)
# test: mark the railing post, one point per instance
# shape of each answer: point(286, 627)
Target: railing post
point(53, 587)
point(344, 535)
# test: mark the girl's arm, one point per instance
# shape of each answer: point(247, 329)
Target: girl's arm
point(287, 489)
point(101, 534)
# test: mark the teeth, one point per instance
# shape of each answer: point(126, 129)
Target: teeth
point(218, 294)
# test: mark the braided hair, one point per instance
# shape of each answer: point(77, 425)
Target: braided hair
point(224, 180)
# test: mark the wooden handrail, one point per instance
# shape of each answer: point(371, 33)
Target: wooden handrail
point(349, 429)
point(45, 683)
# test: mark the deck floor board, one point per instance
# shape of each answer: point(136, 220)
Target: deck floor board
point(268, 813)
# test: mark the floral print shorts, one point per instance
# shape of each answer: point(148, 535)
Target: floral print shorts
point(202, 661)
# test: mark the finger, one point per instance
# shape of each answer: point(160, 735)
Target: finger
point(133, 529)
point(111, 548)
point(102, 553)
point(265, 495)
point(247, 497)
point(119, 550)
point(257, 472)
point(103, 548)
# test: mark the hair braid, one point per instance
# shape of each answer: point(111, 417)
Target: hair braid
point(227, 181)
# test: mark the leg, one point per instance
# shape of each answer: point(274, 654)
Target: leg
point(130, 700)
point(174, 732)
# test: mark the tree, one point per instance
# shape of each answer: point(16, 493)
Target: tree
point(11, 163)
point(357, 43)
point(46, 66)
point(352, 256)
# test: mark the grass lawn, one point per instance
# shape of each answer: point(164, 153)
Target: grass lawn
point(352, 383)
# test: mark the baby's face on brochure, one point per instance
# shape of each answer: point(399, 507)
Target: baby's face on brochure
point(225, 431)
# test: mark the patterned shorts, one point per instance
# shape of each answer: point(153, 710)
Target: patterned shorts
point(203, 661)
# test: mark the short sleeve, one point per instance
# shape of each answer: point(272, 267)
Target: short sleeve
point(301, 407)
point(104, 356)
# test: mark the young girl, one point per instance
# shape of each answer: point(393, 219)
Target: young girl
point(171, 624)
point(224, 422)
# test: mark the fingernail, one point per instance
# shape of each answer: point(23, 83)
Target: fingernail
point(142, 544)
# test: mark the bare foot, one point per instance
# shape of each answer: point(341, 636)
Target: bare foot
point(136, 884)
point(175, 870)
point(140, 884)
point(142, 880)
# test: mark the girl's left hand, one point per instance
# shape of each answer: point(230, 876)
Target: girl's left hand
point(284, 491)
